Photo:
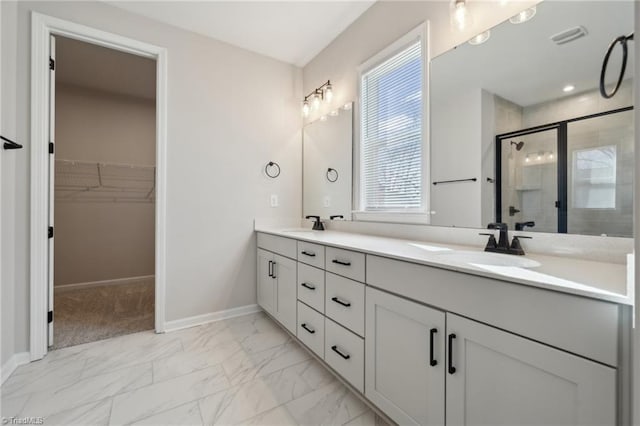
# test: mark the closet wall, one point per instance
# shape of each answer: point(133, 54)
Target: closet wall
point(103, 239)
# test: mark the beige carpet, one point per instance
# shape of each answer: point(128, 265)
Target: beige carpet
point(89, 314)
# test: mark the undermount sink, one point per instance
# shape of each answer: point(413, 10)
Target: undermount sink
point(489, 259)
point(298, 230)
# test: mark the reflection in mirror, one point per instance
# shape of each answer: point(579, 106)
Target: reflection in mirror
point(526, 99)
point(327, 146)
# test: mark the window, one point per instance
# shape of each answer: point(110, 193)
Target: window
point(392, 145)
point(594, 178)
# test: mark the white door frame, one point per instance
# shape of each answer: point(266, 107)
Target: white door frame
point(42, 26)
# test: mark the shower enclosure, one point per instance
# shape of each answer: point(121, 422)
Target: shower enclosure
point(572, 176)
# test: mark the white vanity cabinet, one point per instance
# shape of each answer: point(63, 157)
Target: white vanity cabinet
point(276, 292)
point(404, 359)
point(498, 378)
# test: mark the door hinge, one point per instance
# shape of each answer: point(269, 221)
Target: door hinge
point(51, 147)
point(51, 232)
point(49, 317)
point(52, 64)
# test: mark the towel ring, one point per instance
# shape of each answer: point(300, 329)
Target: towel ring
point(330, 173)
point(268, 169)
point(623, 42)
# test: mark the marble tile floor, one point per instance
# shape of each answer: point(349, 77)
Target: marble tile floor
point(244, 370)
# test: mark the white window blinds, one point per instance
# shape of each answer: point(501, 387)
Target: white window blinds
point(391, 133)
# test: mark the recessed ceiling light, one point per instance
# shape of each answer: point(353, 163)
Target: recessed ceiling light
point(568, 88)
point(523, 16)
point(480, 38)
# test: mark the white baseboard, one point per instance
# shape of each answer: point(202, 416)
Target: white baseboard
point(14, 362)
point(210, 317)
point(117, 281)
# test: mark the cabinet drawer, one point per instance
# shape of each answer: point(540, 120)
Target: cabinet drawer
point(280, 245)
point(311, 286)
point(312, 254)
point(344, 352)
point(311, 329)
point(347, 263)
point(344, 302)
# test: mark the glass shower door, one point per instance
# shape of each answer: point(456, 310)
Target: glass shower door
point(529, 181)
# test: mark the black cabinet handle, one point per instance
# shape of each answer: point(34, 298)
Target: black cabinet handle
point(271, 268)
point(336, 350)
point(306, 253)
point(341, 263)
point(310, 330)
point(452, 369)
point(310, 287)
point(432, 361)
point(340, 302)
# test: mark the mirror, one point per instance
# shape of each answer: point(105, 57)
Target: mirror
point(527, 99)
point(327, 163)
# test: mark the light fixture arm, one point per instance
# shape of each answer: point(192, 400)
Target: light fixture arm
point(318, 91)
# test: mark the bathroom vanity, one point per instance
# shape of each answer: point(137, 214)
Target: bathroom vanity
point(442, 334)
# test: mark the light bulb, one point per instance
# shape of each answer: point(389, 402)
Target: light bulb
point(328, 93)
point(347, 107)
point(323, 118)
point(316, 101)
point(460, 14)
point(523, 16)
point(480, 38)
point(526, 160)
point(551, 156)
point(539, 157)
point(305, 108)
point(334, 113)
point(568, 88)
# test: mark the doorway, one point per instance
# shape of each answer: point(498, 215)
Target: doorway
point(42, 170)
point(103, 192)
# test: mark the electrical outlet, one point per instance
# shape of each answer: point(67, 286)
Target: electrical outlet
point(274, 200)
point(327, 201)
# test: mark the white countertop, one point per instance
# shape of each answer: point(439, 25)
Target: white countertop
point(588, 278)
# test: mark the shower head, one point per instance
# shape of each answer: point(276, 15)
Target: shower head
point(518, 145)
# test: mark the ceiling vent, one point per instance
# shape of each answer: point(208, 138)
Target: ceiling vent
point(566, 36)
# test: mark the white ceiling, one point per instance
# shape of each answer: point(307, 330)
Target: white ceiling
point(290, 31)
point(91, 66)
point(520, 62)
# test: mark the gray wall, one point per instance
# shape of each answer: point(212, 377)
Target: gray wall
point(98, 241)
point(230, 112)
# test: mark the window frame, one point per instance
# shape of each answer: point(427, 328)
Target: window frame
point(422, 215)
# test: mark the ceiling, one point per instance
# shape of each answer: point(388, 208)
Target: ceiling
point(521, 64)
point(91, 66)
point(290, 31)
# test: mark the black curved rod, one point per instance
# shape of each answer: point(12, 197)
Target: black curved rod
point(625, 53)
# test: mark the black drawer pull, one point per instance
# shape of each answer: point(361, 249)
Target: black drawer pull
point(336, 350)
point(432, 361)
point(339, 262)
point(310, 287)
point(306, 253)
point(271, 268)
point(452, 369)
point(310, 330)
point(340, 302)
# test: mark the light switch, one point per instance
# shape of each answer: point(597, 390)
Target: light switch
point(274, 200)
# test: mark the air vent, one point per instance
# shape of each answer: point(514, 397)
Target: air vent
point(569, 35)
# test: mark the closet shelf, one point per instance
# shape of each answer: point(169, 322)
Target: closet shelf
point(82, 181)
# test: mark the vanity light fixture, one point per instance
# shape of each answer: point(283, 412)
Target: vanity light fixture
point(523, 16)
point(459, 12)
point(568, 88)
point(324, 92)
point(480, 38)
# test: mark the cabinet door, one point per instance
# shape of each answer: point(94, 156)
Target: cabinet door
point(504, 379)
point(404, 359)
point(266, 284)
point(286, 300)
